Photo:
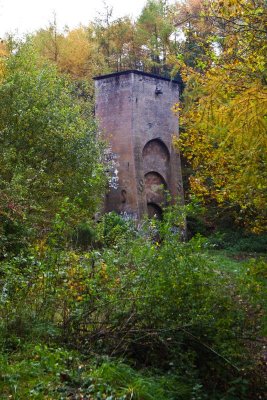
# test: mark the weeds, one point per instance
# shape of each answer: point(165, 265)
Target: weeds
point(173, 312)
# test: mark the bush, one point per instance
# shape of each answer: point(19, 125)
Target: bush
point(50, 154)
point(238, 241)
point(168, 305)
point(115, 229)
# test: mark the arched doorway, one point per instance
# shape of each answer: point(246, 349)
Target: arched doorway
point(155, 187)
point(154, 211)
point(156, 164)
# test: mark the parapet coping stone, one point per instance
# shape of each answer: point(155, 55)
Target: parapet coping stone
point(137, 72)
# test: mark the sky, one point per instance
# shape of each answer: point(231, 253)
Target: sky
point(26, 16)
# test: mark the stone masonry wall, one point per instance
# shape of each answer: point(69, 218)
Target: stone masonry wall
point(134, 112)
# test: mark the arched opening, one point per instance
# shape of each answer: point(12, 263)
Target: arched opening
point(156, 157)
point(155, 186)
point(154, 211)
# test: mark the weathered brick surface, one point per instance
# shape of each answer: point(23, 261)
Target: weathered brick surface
point(134, 112)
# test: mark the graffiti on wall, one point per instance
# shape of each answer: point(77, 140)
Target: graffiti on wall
point(112, 163)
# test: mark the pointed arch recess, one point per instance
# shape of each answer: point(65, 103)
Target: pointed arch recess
point(156, 157)
point(156, 147)
point(155, 186)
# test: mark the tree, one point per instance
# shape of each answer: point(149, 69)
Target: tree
point(80, 57)
point(109, 45)
point(194, 30)
point(102, 31)
point(224, 114)
point(49, 154)
point(115, 39)
point(154, 30)
point(48, 41)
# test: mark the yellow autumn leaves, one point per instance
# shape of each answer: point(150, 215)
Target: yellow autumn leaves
point(224, 121)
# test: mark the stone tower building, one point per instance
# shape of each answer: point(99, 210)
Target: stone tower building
point(134, 112)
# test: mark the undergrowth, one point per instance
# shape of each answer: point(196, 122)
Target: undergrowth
point(39, 372)
point(137, 314)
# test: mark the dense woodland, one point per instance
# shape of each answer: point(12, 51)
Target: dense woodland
point(108, 308)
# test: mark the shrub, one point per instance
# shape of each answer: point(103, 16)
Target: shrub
point(238, 241)
point(167, 305)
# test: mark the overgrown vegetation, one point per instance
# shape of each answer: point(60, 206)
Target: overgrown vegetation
point(50, 155)
point(169, 308)
point(108, 308)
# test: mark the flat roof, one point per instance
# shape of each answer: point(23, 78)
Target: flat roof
point(133, 71)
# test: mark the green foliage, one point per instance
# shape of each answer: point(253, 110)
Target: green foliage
point(84, 235)
point(169, 305)
point(50, 155)
point(40, 372)
point(114, 229)
point(239, 242)
point(111, 309)
point(154, 29)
